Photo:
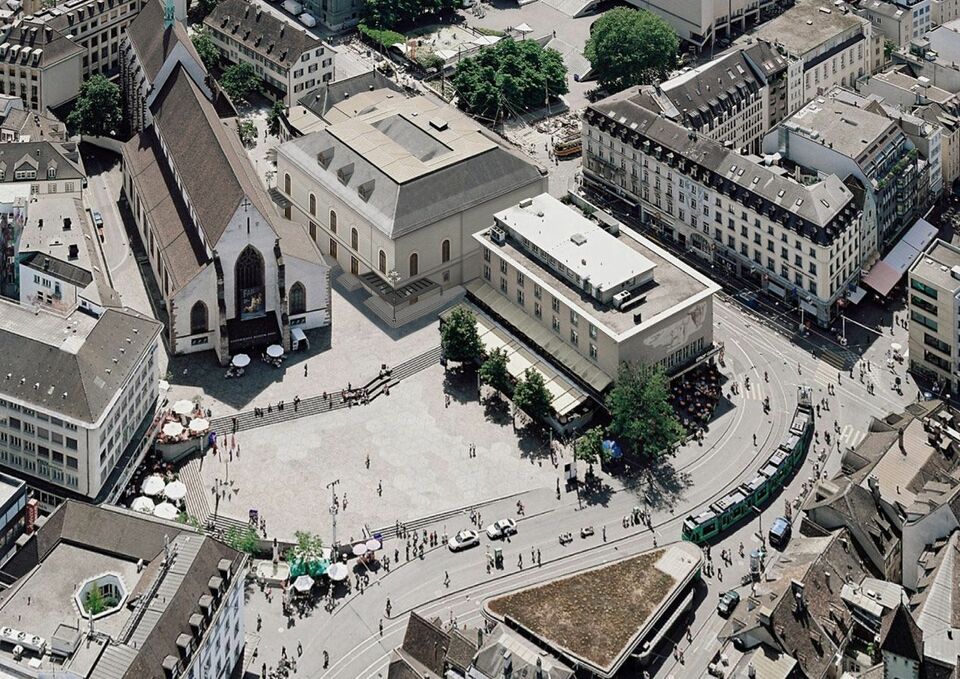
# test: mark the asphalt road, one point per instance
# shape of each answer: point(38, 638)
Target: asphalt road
point(351, 633)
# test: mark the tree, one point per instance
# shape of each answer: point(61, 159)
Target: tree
point(188, 519)
point(274, 118)
point(385, 14)
point(97, 110)
point(630, 47)
point(242, 540)
point(247, 132)
point(531, 395)
point(512, 76)
point(640, 411)
point(459, 337)
point(209, 52)
point(589, 447)
point(309, 547)
point(239, 81)
point(95, 602)
point(494, 371)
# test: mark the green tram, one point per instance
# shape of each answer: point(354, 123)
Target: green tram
point(739, 503)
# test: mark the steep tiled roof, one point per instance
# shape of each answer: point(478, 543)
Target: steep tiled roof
point(261, 32)
point(426, 643)
point(152, 42)
point(901, 636)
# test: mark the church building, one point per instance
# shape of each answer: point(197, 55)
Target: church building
point(234, 275)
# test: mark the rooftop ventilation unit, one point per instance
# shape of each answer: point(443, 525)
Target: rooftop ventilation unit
point(498, 235)
point(620, 299)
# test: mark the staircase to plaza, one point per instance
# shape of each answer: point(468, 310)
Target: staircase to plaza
point(318, 404)
point(196, 503)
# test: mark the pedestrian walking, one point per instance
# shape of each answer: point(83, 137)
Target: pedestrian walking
point(446, 579)
point(381, 627)
point(299, 649)
point(520, 561)
point(604, 533)
point(380, 488)
point(326, 656)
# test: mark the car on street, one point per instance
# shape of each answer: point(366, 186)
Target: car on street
point(728, 602)
point(97, 219)
point(501, 529)
point(463, 540)
point(780, 532)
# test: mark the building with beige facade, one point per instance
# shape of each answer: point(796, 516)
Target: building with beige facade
point(824, 46)
point(591, 295)
point(934, 295)
point(942, 11)
point(394, 189)
point(798, 239)
point(289, 60)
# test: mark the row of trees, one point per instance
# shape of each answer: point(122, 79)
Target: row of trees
point(641, 416)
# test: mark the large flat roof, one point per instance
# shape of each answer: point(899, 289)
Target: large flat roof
point(574, 242)
point(936, 263)
point(806, 26)
point(845, 128)
point(674, 283)
point(597, 617)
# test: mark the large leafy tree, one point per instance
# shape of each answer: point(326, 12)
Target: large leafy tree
point(209, 52)
point(531, 395)
point(640, 411)
point(589, 447)
point(630, 47)
point(384, 14)
point(97, 110)
point(510, 77)
point(239, 81)
point(494, 371)
point(274, 123)
point(459, 337)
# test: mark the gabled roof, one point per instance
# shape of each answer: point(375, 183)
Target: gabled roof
point(901, 636)
point(152, 42)
point(426, 642)
point(39, 155)
point(206, 153)
point(262, 33)
point(38, 45)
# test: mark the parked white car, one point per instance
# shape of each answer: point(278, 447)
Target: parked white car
point(501, 529)
point(463, 540)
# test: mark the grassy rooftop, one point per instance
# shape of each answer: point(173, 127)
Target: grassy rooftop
point(593, 614)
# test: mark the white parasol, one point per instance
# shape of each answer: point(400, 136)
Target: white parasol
point(896, 347)
point(523, 29)
point(175, 490)
point(274, 351)
point(359, 549)
point(152, 485)
point(241, 361)
point(199, 425)
point(165, 510)
point(337, 572)
point(303, 583)
point(172, 429)
point(183, 407)
point(372, 545)
point(143, 504)
point(164, 385)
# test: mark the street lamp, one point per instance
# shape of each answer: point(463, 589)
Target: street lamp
point(394, 277)
point(763, 542)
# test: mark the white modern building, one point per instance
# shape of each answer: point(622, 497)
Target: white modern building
point(898, 21)
point(798, 239)
point(234, 276)
point(587, 296)
point(77, 390)
point(934, 296)
point(174, 599)
point(394, 191)
point(288, 59)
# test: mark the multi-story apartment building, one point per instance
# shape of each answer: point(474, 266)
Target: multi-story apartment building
point(774, 68)
point(288, 59)
point(725, 99)
point(798, 239)
point(848, 136)
point(588, 298)
point(898, 21)
point(47, 167)
point(947, 117)
point(393, 193)
point(943, 11)
point(934, 296)
point(71, 403)
point(823, 46)
point(39, 64)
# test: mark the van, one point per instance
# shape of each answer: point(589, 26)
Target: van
point(780, 532)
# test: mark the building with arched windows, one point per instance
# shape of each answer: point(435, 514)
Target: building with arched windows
point(393, 189)
point(234, 275)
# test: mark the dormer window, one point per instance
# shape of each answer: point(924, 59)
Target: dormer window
point(51, 173)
